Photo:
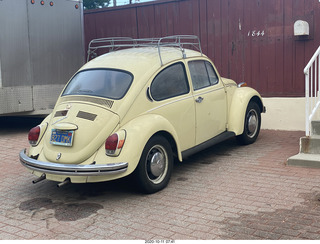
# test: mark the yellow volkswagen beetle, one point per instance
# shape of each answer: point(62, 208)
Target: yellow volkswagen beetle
point(136, 108)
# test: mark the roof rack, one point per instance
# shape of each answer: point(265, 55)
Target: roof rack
point(116, 43)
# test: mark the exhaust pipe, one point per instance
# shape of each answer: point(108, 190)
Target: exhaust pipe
point(65, 182)
point(41, 178)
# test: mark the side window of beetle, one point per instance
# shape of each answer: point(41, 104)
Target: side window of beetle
point(170, 82)
point(202, 74)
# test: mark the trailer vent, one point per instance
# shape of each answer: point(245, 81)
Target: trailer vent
point(103, 102)
point(85, 115)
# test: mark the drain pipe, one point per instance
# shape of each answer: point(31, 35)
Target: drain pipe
point(41, 178)
point(65, 182)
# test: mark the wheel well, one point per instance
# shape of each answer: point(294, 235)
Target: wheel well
point(170, 139)
point(258, 101)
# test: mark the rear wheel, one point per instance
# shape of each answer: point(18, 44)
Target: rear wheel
point(155, 166)
point(252, 124)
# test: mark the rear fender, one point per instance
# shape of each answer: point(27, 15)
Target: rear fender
point(141, 129)
point(241, 98)
point(138, 132)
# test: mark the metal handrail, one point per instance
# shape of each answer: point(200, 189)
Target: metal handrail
point(315, 55)
point(312, 88)
point(116, 43)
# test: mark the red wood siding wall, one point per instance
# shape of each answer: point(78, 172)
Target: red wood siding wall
point(248, 40)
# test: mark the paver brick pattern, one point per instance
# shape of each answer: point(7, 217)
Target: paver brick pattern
point(225, 192)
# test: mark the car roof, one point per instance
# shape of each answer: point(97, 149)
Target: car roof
point(141, 59)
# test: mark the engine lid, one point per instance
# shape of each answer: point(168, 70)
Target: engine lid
point(75, 134)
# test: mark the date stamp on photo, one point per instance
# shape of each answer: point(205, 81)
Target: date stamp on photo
point(160, 241)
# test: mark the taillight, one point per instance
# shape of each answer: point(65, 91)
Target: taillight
point(36, 133)
point(33, 135)
point(114, 143)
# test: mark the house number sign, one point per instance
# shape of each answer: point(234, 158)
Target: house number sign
point(256, 33)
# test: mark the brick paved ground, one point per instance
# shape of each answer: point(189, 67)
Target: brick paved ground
point(226, 192)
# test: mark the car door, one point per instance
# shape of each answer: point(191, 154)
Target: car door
point(210, 100)
point(173, 100)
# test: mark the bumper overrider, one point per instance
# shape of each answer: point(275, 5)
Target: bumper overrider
point(72, 169)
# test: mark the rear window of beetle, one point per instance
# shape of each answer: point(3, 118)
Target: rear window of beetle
point(107, 83)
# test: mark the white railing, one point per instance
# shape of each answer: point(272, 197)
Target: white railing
point(312, 79)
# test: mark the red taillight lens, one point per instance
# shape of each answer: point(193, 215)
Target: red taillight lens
point(112, 142)
point(33, 135)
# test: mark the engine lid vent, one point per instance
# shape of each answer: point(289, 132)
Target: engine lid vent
point(100, 101)
point(86, 115)
point(61, 113)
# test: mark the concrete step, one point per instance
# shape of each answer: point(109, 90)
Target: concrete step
point(309, 155)
point(305, 160)
point(315, 127)
point(310, 144)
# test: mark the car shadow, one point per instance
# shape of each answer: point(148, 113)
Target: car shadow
point(207, 155)
point(127, 186)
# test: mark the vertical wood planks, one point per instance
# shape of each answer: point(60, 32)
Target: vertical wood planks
point(248, 40)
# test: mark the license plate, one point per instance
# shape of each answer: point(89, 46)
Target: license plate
point(61, 137)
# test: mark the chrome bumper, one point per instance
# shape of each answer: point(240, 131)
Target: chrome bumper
point(71, 169)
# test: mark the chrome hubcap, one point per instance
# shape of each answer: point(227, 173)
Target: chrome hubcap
point(157, 164)
point(252, 123)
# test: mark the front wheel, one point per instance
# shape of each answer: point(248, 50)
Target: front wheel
point(252, 124)
point(155, 166)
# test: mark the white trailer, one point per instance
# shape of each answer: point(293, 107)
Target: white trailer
point(41, 47)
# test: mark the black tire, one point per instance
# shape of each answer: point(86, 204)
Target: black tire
point(252, 124)
point(155, 166)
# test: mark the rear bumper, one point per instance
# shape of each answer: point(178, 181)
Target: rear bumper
point(71, 169)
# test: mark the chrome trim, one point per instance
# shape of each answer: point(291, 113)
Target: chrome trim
point(199, 99)
point(64, 117)
point(170, 102)
point(200, 92)
point(71, 169)
point(192, 95)
point(240, 84)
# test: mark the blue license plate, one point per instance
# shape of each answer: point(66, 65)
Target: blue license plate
point(61, 137)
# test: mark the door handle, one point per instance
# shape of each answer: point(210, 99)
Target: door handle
point(199, 99)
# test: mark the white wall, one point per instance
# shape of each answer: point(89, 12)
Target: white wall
point(284, 114)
